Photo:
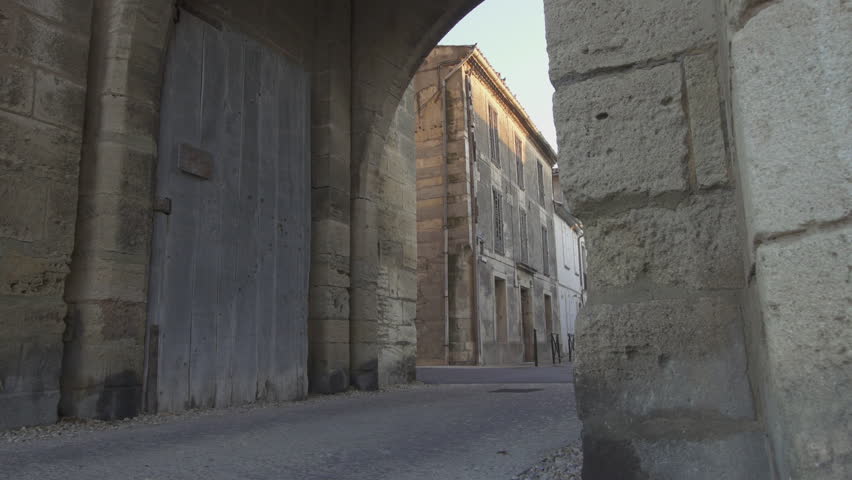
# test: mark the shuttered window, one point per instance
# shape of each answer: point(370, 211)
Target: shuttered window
point(540, 182)
point(545, 268)
point(494, 135)
point(524, 236)
point(498, 222)
point(519, 160)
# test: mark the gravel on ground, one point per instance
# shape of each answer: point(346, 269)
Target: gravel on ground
point(563, 464)
point(72, 427)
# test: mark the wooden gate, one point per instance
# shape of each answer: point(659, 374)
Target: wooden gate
point(229, 266)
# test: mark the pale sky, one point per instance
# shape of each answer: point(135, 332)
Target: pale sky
point(511, 34)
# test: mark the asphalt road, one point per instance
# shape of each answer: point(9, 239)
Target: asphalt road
point(491, 428)
point(484, 375)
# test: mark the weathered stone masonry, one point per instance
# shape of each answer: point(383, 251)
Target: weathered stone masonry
point(710, 139)
point(106, 293)
point(43, 70)
point(689, 135)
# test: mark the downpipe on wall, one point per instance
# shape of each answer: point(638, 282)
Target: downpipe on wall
point(446, 195)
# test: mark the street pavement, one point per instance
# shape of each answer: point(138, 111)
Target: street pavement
point(465, 423)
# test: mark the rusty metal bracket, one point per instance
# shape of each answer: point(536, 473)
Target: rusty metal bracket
point(163, 205)
point(195, 161)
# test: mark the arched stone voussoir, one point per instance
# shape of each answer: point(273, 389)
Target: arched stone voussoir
point(384, 61)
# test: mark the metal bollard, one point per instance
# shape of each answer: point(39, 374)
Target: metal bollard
point(535, 346)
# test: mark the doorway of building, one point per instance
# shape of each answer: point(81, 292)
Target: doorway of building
point(527, 324)
point(230, 260)
point(502, 324)
point(548, 315)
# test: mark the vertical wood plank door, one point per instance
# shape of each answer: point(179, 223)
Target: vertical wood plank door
point(228, 291)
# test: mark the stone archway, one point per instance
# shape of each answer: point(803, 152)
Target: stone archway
point(104, 376)
point(717, 332)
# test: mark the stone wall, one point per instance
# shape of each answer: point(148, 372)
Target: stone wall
point(107, 288)
point(791, 101)
point(397, 269)
point(662, 375)
point(331, 91)
point(44, 48)
point(444, 337)
point(383, 63)
point(432, 328)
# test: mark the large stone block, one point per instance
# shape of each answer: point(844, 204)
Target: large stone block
point(329, 270)
point(791, 101)
point(329, 203)
point(52, 47)
point(59, 101)
point(675, 456)
point(28, 276)
point(16, 87)
point(128, 120)
point(32, 348)
point(705, 120)
point(108, 276)
point(806, 293)
point(622, 135)
point(118, 169)
point(105, 344)
point(30, 360)
point(694, 245)
point(26, 409)
point(329, 303)
point(60, 219)
point(584, 35)
point(662, 356)
point(330, 236)
point(75, 14)
point(37, 149)
point(22, 204)
point(7, 27)
point(115, 223)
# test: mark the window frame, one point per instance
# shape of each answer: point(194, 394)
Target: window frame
point(497, 216)
point(524, 235)
point(494, 135)
point(519, 161)
point(540, 182)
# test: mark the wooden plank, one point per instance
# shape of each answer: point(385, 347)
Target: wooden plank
point(181, 125)
point(304, 152)
point(284, 254)
point(230, 276)
point(231, 150)
point(208, 240)
point(293, 262)
point(244, 365)
point(268, 158)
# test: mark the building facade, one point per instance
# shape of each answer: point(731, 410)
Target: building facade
point(570, 267)
point(486, 255)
